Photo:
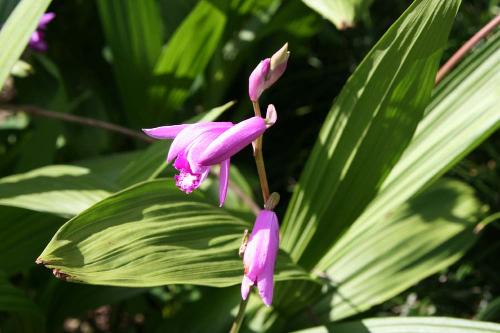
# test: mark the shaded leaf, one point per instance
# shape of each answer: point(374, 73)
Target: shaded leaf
point(23, 234)
point(133, 30)
point(186, 56)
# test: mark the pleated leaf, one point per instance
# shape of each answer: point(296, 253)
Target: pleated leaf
point(367, 129)
point(343, 13)
point(63, 190)
point(16, 32)
point(463, 113)
point(409, 325)
point(134, 32)
point(153, 234)
point(430, 232)
point(186, 55)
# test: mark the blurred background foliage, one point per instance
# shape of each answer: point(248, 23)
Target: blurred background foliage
point(105, 62)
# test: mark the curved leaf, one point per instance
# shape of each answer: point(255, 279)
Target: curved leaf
point(153, 234)
point(58, 189)
point(342, 13)
point(367, 130)
point(427, 234)
point(409, 325)
point(16, 32)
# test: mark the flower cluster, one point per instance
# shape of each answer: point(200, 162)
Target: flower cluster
point(196, 148)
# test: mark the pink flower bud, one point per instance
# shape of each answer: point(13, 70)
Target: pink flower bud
point(267, 72)
point(260, 256)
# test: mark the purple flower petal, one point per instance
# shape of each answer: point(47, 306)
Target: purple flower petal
point(233, 140)
point(265, 284)
point(256, 81)
point(46, 19)
point(164, 132)
point(196, 148)
point(191, 132)
point(223, 181)
point(245, 287)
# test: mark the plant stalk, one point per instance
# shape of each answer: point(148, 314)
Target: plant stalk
point(239, 317)
point(259, 158)
point(457, 56)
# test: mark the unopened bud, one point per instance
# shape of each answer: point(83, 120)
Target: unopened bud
point(272, 201)
point(267, 72)
point(271, 115)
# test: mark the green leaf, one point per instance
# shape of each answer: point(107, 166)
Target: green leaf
point(152, 234)
point(427, 234)
point(409, 325)
point(23, 234)
point(367, 130)
point(15, 301)
point(58, 189)
point(342, 13)
point(186, 56)
point(463, 113)
point(16, 32)
point(6, 7)
point(491, 311)
point(133, 30)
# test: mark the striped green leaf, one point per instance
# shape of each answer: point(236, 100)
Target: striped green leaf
point(186, 55)
point(152, 234)
point(63, 190)
point(16, 32)
point(409, 325)
point(428, 233)
point(133, 30)
point(367, 129)
point(343, 13)
point(462, 114)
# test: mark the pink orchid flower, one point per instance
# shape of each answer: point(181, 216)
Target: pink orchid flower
point(197, 147)
point(267, 72)
point(260, 256)
point(37, 41)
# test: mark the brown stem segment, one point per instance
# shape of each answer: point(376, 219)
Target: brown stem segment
point(457, 57)
point(259, 158)
point(36, 111)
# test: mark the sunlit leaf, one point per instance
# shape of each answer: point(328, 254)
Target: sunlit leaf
point(409, 325)
point(367, 129)
point(343, 13)
point(152, 234)
point(16, 32)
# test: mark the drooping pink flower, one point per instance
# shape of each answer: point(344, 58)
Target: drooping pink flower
point(260, 256)
point(267, 72)
point(197, 147)
point(37, 41)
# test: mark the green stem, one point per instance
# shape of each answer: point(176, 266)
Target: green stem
point(239, 317)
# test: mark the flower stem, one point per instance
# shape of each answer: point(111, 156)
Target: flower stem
point(259, 158)
point(239, 317)
point(455, 58)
